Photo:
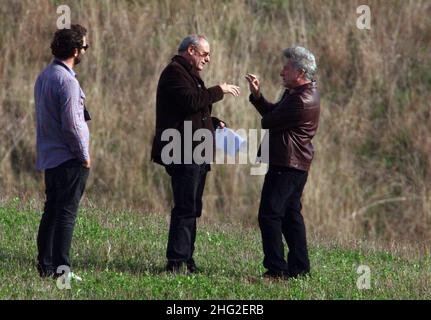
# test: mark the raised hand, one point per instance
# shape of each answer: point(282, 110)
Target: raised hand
point(231, 89)
point(254, 84)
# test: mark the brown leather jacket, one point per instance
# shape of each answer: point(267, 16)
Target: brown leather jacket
point(292, 123)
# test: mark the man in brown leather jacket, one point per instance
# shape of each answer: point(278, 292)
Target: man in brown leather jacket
point(184, 104)
point(292, 123)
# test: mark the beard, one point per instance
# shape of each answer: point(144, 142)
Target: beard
point(77, 60)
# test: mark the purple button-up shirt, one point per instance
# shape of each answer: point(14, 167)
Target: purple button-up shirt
point(62, 133)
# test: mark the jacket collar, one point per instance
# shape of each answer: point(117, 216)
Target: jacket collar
point(303, 87)
point(183, 61)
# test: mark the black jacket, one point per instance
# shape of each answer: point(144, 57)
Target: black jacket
point(182, 96)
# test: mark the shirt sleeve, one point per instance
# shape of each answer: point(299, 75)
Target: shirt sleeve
point(73, 123)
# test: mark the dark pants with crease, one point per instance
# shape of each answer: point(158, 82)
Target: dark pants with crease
point(188, 182)
point(64, 186)
point(280, 215)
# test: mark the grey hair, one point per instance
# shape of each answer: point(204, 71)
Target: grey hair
point(302, 59)
point(192, 39)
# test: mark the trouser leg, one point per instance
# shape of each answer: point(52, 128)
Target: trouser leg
point(182, 230)
point(70, 184)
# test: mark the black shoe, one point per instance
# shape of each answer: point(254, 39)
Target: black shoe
point(191, 266)
point(272, 274)
point(45, 272)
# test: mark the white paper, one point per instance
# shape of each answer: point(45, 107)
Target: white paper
point(229, 141)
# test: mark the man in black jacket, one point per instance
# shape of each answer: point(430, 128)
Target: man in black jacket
point(292, 123)
point(183, 101)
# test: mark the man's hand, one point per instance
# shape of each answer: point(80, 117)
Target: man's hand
point(230, 88)
point(87, 164)
point(254, 84)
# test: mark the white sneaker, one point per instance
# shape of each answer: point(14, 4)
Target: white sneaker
point(64, 281)
point(70, 276)
point(74, 276)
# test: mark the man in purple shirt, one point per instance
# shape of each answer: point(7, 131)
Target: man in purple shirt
point(62, 142)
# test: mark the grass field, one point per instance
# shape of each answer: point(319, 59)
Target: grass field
point(120, 255)
point(370, 176)
point(369, 180)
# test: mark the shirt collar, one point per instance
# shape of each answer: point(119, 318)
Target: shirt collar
point(60, 63)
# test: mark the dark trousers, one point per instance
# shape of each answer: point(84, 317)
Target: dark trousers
point(280, 214)
point(64, 186)
point(188, 182)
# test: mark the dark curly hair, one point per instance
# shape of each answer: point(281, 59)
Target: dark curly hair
point(67, 40)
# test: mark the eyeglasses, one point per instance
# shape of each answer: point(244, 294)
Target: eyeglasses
point(203, 54)
point(85, 47)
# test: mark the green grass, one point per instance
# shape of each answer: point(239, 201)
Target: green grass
point(120, 255)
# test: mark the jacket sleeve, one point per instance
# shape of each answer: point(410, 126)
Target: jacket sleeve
point(216, 122)
point(185, 93)
point(73, 123)
point(288, 115)
point(262, 105)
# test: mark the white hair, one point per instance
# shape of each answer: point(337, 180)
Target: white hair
point(302, 59)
